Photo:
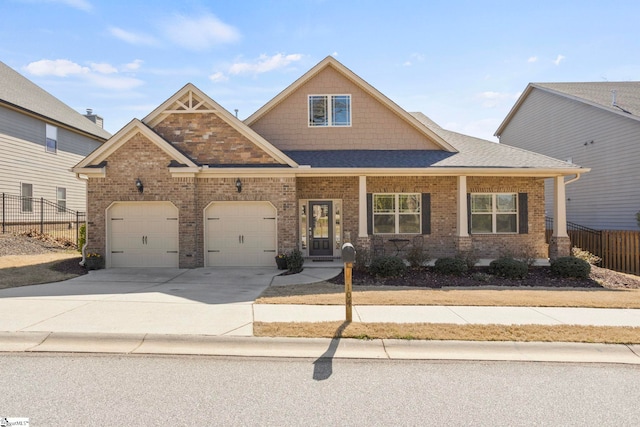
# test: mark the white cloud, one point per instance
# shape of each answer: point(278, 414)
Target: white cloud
point(559, 59)
point(533, 59)
point(413, 58)
point(132, 66)
point(492, 99)
point(199, 33)
point(58, 67)
point(264, 64)
point(77, 4)
point(101, 75)
point(103, 68)
point(218, 77)
point(119, 83)
point(132, 38)
point(334, 54)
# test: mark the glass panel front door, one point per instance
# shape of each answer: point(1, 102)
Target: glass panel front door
point(321, 229)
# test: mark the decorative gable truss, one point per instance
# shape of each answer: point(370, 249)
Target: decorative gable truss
point(209, 135)
point(184, 128)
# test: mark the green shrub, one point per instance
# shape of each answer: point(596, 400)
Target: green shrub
point(509, 268)
point(363, 258)
point(571, 267)
point(469, 257)
point(585, 256)
point(294, 261)
point(82, 236)
point(455, 266)
point(417, 257)
point(387, 266)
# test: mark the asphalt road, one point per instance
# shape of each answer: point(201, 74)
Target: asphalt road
point(108, 390)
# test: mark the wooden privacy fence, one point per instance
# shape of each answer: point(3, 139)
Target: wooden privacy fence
point(619, 249)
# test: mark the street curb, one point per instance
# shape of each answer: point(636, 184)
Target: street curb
point(316, 348)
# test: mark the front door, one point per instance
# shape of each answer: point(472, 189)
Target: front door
point(321, 229)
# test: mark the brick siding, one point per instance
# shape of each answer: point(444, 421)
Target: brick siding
point(209, 140)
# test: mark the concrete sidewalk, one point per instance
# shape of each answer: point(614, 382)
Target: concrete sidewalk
point(211, 311)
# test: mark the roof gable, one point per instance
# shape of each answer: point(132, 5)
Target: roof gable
point(332, 63)
point(20, 93)
point(622, 98)
point(133, 128)
point(191, 100)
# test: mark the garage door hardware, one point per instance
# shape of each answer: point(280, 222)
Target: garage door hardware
point(241, 239)
point(144, 240)
point(269, 218)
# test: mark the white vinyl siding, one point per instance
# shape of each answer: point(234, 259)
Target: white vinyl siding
point(608, 197)
point(24, 159)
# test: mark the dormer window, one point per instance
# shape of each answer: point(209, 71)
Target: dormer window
point(329, 110)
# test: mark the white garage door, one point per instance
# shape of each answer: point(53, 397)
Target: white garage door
point(143, 234)
point(240, 234)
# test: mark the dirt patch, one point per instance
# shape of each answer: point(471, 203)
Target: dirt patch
point(29, 261)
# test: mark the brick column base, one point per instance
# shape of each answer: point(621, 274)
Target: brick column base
point(559, 247)
point(464, 244)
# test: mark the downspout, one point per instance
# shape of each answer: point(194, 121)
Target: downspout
point(572, 180)
point(84, 247)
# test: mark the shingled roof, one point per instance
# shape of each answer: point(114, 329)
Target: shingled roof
point(472, 153)
point(18, 92)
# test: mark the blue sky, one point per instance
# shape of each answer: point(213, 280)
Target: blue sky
point(462, 63)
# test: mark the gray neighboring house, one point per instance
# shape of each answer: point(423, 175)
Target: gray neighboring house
point(41, 139)
point(596, 125)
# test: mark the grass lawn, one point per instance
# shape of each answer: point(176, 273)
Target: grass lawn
point(22, 270)
point(325, 293)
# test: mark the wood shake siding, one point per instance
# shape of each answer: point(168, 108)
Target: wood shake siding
point(605, 198)
point(373, 125)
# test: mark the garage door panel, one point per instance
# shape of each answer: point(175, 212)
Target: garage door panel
point(240, 235)
point(143, 234)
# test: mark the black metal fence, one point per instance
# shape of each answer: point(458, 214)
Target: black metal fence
point(28, 214)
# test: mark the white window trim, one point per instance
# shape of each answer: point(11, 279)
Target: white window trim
point(494, 213)
point(22, 197)
point(329, 110)
point(397, 213)
point(46, 136)
point(59, 199)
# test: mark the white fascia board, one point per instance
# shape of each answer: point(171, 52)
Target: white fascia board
point(323, 172)
point(91, 172)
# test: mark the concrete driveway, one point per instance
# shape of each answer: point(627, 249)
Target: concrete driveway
point(203, 301)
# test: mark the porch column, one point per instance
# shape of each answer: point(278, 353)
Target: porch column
point(362, 207)
point(463, 239)
point(559, 208)
point(560, 244)
point(462, 225)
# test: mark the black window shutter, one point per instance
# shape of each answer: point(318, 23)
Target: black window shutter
point(426, 213)
point(369, 213)
point(523, 213)
point(469, 213)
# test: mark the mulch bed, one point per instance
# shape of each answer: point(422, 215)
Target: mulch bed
point(479, 276)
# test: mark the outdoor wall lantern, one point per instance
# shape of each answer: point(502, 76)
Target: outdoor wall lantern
point(239, 185)
point(139, 185)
